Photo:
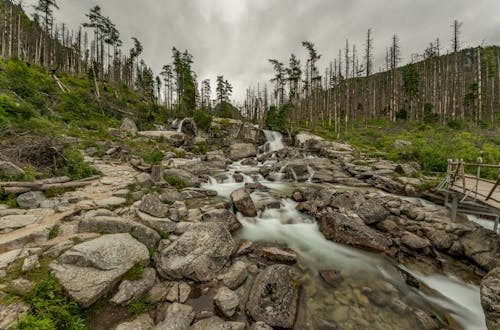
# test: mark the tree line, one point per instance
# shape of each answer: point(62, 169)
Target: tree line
point(436, 86)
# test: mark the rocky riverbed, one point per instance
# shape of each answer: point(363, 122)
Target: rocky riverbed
point(298, 234)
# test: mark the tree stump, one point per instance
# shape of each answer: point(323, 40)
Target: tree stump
point(157, 174)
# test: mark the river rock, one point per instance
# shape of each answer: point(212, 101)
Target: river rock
point(177, 317)
point(30, 200)
point(10, 170)
point(152, 205)
point(130, 291)
point(224, 216)
point(413, 241)
point(227, 301)
point(490, 298)
point(141, 322)
point(242, 150)
point(372, 211)
point(277, 254)
point(129, 126)
point(482, 246)
point(209, 244)
point(331, 276)
point(351, 230)
point(88, 270)
point(114, 225)
point(440, 239)
point(236, 275)
point(260, 326)
point(243, 203)
point(274, 297)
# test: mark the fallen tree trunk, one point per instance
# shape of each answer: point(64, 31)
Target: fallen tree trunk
point(60, 179)
point(17, 188)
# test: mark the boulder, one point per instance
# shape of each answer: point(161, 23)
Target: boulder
point(178, 211)
point(274, 297)
point(179, 292)
point(199, 254)
point(173, 138)
point(239, 151)
point(114, 225)
point(177, 317)
point(490, 298)
point(10, 170)
point(152, 205)
point(351, 230)
point(308, 141)
point(144, 180)
point(11, 313)
point(413, 241)
point(260, 326)
point(243, 203)
point(227, 301)
point(482, 246)
point(141, 322)
point(162, 225)
point(184, 176)
point(372, 211)
point(129, 126)
point(130, 291)
point(30, 200)
point(212, 323)
point(236, 275)
point(224, 216)
point(276, 254)
point(17, 221)
point(90, 269)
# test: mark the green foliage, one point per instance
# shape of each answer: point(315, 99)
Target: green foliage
point(152, 156)
point(176, 182)
point(411, 81)
point(276, 119)
point(135, 273)
point(74, 165)
point(226, 110)
point(429, 116)
point(456, 124)
point(140, 307)
point(202, 119)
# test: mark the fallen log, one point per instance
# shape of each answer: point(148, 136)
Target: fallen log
point(17, 188)
point(60, 179)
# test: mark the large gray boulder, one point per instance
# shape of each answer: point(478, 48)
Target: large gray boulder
point(243, 203)
point(274, 297)
point(177, 317)
point(482, 246)
point(129, 126)
point(490, 298)
point(224, 216)
point(227, 301)
point(90, 269)
point(187, 177)
point(130, 291)
point(152, 205)
point(103, 224)
point(239, 151)
point(10, 170)
point(351, 230)
point(10, 222)
point(30, 200)
point(199, 254)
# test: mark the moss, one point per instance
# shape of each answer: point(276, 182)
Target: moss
point(135, 273)
point(140, 307)
point(176, 182)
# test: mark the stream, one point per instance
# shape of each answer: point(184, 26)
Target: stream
point(365, 274)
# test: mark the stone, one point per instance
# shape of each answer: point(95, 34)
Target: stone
point(426, 320)
point(114, 225)
point(141, 322)
point(164, 225)
point(224, 216)
point(243, 203)
point(260, 326)
point(129, 126)
point(90, 269)
point(213, 323)
point(236, 275)
point(111, 202)
point(277, 254)
point(188, 178)
point(30, 263)
point(130, 291)
point(210, 244)
point(482, 246)
point(413, 241)
point(372, 211)
point(351, 230)
point(175, 139)
point(178, 211)
point(30, 200)
point(18, 221)
point(227, 301)
point(239, 151)
point(177, 317)
point(331, 276)
point(179, 292)
point(170, 196)
point(21, 285)
point(158, 292)
point(10, 170)
point(152, 205)
point(401, 144)
point(244, 248)
point(144, 180)
point(11, 313)
point(440, 239)
point(490, 298)
point(274, 297)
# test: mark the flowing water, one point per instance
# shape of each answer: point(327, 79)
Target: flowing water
point(365, 274)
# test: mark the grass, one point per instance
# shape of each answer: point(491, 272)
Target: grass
point(176, 182)
point(135, 273)
point(140, 307)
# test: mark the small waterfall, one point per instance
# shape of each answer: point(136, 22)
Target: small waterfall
point(274, 141)
point(311, 173)
point(179, 128)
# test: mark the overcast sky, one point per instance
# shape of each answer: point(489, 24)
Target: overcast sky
point(235, 38)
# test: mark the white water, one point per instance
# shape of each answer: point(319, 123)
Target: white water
point(274, 141)
point(301, 233)
point(179, 128)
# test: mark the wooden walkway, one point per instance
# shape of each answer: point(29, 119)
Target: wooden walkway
point(471, 192)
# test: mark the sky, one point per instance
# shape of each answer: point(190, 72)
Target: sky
point(235, 38)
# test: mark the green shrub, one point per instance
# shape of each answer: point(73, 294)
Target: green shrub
point(74, 165)
point(134, 273)
point(176, 182)
point(203, 120)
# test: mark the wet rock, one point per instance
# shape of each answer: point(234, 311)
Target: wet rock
point(238, 177)
point(227, 301)
point(276, 254)
point(188, 178)
point(243, 203)
point(224, 216)
point(482, 246)
point(141, 322)
point(372, 211)
point(331, 276)
point(88, 270)
point(440, 239)
point(236, 275)
point(130, 291)
point(152, 205)
point(210, 244)
point(353, 231)
point(413, 241)
point(244, 248)
point(426, 320)
point(490, 298)
point(11, 313)
point(30, 200)
point(274, 297)
point(177, 317)
point(114, 225)
point(242, 150)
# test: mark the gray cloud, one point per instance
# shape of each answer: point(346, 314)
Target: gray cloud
point(236, 37)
